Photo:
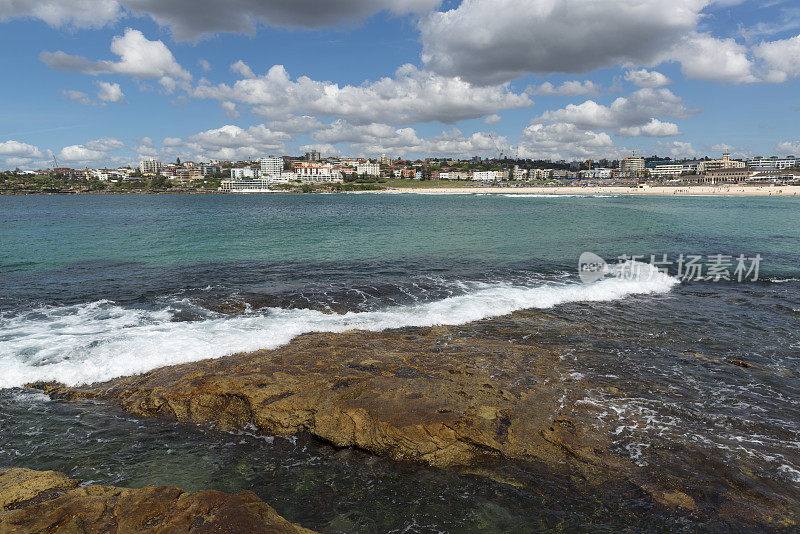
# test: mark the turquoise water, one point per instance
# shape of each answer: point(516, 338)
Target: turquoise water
point(95, 287)
point(45, 232)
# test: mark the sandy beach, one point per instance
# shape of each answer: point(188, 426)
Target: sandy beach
point(721, 190)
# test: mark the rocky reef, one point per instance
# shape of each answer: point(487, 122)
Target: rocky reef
point(47, 501)
point(439, 396)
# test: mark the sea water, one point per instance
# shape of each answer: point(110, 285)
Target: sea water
point(95, 287)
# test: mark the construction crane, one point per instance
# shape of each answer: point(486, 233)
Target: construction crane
point(491, 136)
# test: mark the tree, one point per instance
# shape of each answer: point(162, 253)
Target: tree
point(178, 161)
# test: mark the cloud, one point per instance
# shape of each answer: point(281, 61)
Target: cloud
point(110, 92)
point(677, 149)
point(654, 128)
point(631, 116)
point(297, 124)
point(60, 13)
point(785, 147)
point(230, 109)
point(490, 41)
point(411, 96)
point(492, 119)
point(105, 144)
point(781, 58)
point(77, 96)
point(647, 78)
point(230, 143)
point(565, 141)
point(205, 65)
point(376, 138)
point(570, 88)
point(325, 150)
point(20, 150)
point(93, 153)
point(190, 19)
point(139, 57)
point(241, 68)
point(80, 154)
point(704, 57)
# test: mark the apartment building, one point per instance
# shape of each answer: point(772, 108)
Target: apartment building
point(774, 162)
point(271, 166)
point(150, 166)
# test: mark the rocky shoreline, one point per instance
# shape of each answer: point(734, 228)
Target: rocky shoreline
point(439, 396)
point(47, 501)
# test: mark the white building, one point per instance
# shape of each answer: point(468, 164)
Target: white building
point(318, 174)
point(632, 166)
point(668, 170)
point(486, 176)
point(519, 174)
point(774, 162)
point(243, 173)
point(150, 166)
point(540, 174)
point(370, 169)
point(247, 185)
point(271, 166)
point(716, 164)
point(594, 174)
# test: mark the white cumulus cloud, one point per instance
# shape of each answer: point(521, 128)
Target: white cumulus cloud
point(138, 57)
point(110, 92)
point(647, 78)
point(633, 115)
point(411, 96)
point(569, 88)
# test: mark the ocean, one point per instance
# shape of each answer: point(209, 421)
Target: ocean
point(705, 372)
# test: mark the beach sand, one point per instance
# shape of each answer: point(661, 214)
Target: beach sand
point(711, 190)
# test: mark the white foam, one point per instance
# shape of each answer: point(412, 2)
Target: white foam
point(101, 340)
point(557, 195)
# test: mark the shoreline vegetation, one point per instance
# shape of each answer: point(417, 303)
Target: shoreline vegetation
point(48, 186)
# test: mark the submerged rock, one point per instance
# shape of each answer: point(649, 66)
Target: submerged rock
point(443, 396)
point(46, 501)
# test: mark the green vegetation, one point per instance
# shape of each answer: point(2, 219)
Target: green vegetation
point(45, 183)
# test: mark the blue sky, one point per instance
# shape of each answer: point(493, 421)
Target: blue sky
point(108, 82)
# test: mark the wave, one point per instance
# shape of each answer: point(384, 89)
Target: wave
point(556, 195)
point(102, 340)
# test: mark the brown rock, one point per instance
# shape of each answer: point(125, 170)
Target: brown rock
point(35, 501)
point(440, 396)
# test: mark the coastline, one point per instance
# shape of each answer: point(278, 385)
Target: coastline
point(408, 396)
point(722, 190)
point(698, 190)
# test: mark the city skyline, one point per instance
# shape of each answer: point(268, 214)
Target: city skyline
point(112, 82)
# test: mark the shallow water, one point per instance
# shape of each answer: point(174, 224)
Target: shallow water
point(699, 381)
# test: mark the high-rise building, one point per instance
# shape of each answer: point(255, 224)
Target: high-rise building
point(313, 156)
point(632, 166)
point(271, 166)
point(150, 166)
point(370, 169)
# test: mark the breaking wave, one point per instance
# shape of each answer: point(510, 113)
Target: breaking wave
point(101, 340)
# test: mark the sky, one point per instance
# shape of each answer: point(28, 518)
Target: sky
point(110, 82)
